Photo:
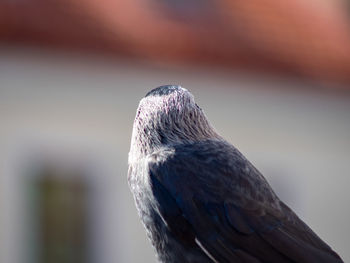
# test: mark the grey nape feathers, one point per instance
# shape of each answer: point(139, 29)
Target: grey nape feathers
point(200, 199)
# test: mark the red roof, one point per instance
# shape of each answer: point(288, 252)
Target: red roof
point(302, 38)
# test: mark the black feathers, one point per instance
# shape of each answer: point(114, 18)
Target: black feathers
point(227, 225)
point(201, 200)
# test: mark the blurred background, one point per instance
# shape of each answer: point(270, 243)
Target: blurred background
point(273, 77)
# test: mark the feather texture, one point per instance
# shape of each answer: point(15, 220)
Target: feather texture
point(201, 200)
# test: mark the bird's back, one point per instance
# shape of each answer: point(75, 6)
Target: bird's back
point(208, 200)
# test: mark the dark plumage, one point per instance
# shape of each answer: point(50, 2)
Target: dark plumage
point(200, 199)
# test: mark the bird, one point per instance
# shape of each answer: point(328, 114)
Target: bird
point(200, 200)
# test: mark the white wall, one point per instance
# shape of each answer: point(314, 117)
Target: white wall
point(64, 104)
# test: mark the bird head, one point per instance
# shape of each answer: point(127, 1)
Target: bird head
point(169, 115)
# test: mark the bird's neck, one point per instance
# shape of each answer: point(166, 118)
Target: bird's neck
point(151, 133)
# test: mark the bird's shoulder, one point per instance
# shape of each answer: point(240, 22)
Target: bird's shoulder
point(213, 170)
